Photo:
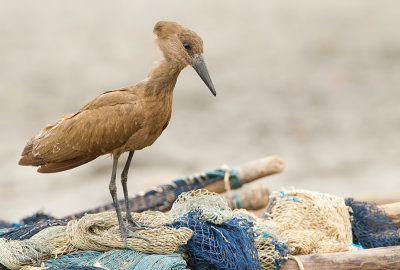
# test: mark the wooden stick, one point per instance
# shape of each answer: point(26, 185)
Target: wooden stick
point(251, 197)
point(378, 199)
point(392, 210)
point(153, 200)
point(368, 259)
point(251, 171)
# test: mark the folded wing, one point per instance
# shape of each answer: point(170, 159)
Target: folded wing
point(98, 128)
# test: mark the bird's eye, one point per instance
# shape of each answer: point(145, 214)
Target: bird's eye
point(187, 46)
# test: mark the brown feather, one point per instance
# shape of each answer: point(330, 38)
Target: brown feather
point(65, 165)
point(29, 160)
point(121, 120)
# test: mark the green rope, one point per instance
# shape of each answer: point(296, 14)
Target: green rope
point(237, 203)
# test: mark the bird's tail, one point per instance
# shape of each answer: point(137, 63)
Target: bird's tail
point(53, 167)
point(28, 159)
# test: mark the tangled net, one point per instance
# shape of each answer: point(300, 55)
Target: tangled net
point(371, 227)
point(311, 222)
point(209, 233)
point(202, 232)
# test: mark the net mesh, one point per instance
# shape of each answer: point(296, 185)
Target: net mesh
point(16, 253)
point(118, 259)
point(212, 207)
point(100, 232)
point(226, 239)
point(227, 245)
point(62, 268)
point(222, 238)
point(371, 227)
point(311, 222)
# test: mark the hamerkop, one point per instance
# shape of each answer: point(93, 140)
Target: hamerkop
point(122, 120)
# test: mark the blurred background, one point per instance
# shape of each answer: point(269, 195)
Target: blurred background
point(315, 83)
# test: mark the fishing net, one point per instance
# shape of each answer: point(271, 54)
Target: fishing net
point(371, 227)
point(27, 231)
point(16, 253)
point(62, 268)
point(272, 252)
point(118, 259)
point(213, 236)
point(100, 232)
point(211, 206)
point(219, 246)
point(311, 222)
point(163, 196)
point(222, 238)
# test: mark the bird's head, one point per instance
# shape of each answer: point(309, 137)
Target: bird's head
point(184, 47)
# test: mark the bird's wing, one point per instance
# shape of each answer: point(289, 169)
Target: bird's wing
point(99, 127)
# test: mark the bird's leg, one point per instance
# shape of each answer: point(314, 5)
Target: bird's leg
point(125, 233)
point(124, 180)
point(113, 191)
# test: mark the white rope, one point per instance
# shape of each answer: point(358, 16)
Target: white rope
point(299, 263)
point(227, 183)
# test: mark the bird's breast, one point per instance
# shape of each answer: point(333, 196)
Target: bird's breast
point(157, 114)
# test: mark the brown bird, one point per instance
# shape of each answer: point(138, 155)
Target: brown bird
point(122, 120)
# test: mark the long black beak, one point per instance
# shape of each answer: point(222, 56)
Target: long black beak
point(200, 66)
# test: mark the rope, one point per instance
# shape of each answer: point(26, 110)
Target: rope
point(231, 180)
point(237, 203)
point(299, 263)
point(227, 183)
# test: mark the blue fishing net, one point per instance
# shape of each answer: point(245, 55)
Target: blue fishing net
point(75, 268)
point(118, 260)
point(27, 231)
point(162, 197)
point(219, 246)
point(35, 218)
point(283, 251)
point(5, 224)
point(371, 227)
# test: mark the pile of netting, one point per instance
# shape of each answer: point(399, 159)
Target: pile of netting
point(202, 232)
point(314, 222)
point(371, 226)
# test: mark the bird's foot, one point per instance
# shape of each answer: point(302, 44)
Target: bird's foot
point(136, 225)
point(126, 233)
point(131, 234)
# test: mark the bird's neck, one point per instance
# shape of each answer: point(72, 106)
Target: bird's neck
point(162, 78)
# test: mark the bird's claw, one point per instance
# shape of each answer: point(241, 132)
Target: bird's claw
point(131, 234)
point(127, 232)
point(137, 225)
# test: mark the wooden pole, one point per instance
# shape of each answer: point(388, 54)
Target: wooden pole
point(392, 210)
point(387, 258)
point(251, 171)
point(248, 172)
point(251, 197)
